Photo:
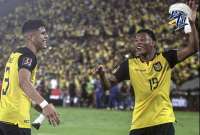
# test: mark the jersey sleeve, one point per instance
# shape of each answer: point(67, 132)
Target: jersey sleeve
point(171, 57)
point(28, 62)
point(121, 72)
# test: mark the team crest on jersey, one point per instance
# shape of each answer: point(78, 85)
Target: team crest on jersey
point(27, 61)
point(157, 66)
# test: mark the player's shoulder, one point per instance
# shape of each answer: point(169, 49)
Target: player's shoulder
point(25, 51)
point(134, 59)
point(27, 59)
point(169, 52)
point(171, 56)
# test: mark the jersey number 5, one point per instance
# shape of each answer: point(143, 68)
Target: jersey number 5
point(6, 81)
point(153, 83)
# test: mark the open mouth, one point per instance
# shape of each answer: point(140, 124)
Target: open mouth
point(139, 48)
point(44, 41)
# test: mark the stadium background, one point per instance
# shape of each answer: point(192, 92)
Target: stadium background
point(85, 33)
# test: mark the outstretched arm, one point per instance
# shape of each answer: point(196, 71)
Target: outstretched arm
point(104, 79)
point(119, 74)
point(193, 44)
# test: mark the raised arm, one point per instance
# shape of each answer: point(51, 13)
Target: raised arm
point(193, 44)
point(119, 74)
point(104, 79)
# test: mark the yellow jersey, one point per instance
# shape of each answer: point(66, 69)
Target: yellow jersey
point(151, 84)
point(14, 104)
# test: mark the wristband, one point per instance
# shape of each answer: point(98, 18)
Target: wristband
point(43, 104)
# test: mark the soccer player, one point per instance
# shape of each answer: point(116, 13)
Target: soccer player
point(18, 84)
point(150, 76)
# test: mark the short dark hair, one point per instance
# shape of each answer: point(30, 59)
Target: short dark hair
point(31, 25)
point(149, 32)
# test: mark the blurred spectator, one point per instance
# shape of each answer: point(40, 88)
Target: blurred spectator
point(125, 100)
point(114, 98)
point(56, 96)
point(99, 93)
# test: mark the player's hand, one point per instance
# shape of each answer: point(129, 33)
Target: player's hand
point(50, 113)
point(193, 6)
point(100, 69)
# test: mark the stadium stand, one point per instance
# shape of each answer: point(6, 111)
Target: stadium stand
point(84, 33)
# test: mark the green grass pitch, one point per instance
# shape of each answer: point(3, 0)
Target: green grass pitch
point(80, 121)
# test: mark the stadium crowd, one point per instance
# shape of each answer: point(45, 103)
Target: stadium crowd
point(85, 33)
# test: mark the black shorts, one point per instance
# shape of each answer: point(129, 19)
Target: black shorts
point(162, 129)
point(9, 129)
